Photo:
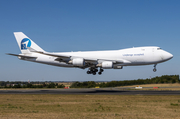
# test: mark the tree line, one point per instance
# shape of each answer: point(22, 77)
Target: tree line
point(91, 84)
point(155, 80)
point(30, 85)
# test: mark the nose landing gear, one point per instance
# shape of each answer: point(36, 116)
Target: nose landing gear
point(155, 68)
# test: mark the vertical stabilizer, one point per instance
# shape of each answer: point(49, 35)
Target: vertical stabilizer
point(24, 42)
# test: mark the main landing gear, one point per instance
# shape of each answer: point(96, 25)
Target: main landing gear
point(155, 68)
point(94, 71)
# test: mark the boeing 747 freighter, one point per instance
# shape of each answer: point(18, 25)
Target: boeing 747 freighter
point(95, 61)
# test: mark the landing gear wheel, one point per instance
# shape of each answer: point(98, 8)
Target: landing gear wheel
point(101, 70)
point(94, 73)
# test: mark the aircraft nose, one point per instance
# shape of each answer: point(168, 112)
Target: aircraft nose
point(167, 55)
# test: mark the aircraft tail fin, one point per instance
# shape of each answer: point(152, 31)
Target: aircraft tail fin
point(24, 42)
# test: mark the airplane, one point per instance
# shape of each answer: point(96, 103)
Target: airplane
point(93, 60)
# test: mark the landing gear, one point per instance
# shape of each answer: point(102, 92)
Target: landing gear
point(155, 68)
point(88, 72)
point(100, 71)
point(94, 71)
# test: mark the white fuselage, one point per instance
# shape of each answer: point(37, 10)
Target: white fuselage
point(130, 57)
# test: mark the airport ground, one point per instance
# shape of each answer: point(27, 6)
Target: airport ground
point(50, 106)
point(93, 105)
point(168, 86)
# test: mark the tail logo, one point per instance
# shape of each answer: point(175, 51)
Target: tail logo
point(25, 43)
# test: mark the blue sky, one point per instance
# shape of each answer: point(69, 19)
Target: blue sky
point(88, 25)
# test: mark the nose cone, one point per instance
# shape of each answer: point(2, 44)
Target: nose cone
point(167, 56)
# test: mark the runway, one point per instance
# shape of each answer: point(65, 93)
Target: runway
point(99, 91)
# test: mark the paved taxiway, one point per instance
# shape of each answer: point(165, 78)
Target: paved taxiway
point(99, 91)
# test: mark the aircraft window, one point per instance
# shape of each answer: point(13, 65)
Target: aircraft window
point(158, 48)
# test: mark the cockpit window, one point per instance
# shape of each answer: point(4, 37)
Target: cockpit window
point(158, 48)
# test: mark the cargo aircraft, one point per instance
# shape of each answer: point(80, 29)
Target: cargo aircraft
point(95, 61)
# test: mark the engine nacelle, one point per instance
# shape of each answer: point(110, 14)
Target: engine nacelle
point(107, 65)
point(78, 62)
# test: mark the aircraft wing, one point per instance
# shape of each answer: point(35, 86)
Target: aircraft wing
point(62, 58)
point(65, 58)
point(101, 60)
point(49, 54)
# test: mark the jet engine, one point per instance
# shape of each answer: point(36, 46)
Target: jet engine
point(78, 62)
point(107, 65)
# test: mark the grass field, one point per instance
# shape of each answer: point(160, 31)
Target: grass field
point(89, 107)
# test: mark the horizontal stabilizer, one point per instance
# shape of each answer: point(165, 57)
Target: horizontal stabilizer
point(23, 56)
